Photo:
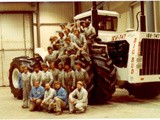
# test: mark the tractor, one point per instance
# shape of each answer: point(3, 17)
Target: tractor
point(126, 60)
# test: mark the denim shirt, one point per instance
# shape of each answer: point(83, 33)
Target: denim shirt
point(37, 93)
point(61, 94)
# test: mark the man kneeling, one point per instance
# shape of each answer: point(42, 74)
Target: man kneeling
point(60, 100)
point(48, 96)
point(78, 99)
point(36, 96)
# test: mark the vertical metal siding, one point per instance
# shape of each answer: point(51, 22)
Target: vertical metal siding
point(151, 59)
point(15, 40)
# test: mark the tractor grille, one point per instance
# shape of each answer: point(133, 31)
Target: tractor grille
point(150, 50)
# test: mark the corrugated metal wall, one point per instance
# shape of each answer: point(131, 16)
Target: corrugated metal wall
point(51, 15)
point(15, 40)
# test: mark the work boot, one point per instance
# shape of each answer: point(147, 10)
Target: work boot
point(58, 113)
point(23, 106)
point(72, 112)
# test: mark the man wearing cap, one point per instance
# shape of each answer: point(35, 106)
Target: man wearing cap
point(60, 100)
point(46, 75)
point(70, 50)
point(78, 99)
point(80, 40)
point(36, 96)
point(48, 96)
point(81, 74)
point(51, 57)
point(36, 75)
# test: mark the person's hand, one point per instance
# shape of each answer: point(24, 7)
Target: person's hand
point(64, 86)
point(72, 100)
point(89, 37)
point(33, 99)
point(80, 49)
point(42, 103)
point(56, 98)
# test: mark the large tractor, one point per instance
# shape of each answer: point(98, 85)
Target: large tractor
point(129, 60)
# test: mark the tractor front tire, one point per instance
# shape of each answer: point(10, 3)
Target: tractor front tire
point(144, 90)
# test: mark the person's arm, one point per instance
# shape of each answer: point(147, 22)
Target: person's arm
point(72, 94)
point(40, 78)
point(84, 98)
point(74, 78)
point(61, 53)
point(78, 49)
point(63, 81)
point(31, 82)
point(86, 76)
point(51, 78)
point(31, 94)
point(20, 80)
point(45, 59)
point(93, 33)
point(84, 42)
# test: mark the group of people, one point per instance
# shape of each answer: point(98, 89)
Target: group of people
point(55, 87)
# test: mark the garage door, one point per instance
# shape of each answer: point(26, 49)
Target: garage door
point(15, 40)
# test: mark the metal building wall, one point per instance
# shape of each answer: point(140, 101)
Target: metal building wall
point(50, 16)
point(15, 40)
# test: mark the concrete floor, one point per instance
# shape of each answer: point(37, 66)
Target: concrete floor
point(120, 106)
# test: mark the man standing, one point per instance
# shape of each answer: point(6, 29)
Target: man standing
point(48, 96)
point(26, 86)
point(20, 81)
point(60, 100)
point(68, 80)
point(81, 74)
point(78, 99)
point(46, 75)
point(61, 72)
point(36, 96)
point(54, 72)
point(36, 75)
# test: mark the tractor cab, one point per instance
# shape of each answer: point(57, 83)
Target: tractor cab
point(106, 22)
